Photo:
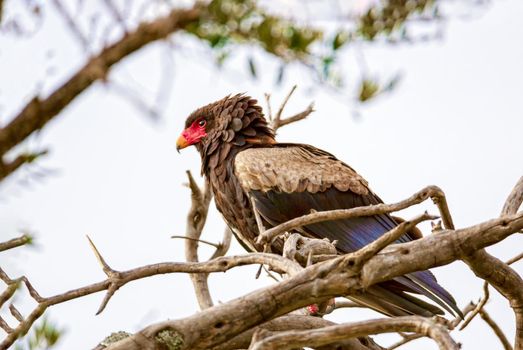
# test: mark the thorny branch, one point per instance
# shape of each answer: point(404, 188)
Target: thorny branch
point(117, 279)
point(358, 270)
point(339, 276)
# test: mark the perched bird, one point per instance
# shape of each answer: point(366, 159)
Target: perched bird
point(249, 171)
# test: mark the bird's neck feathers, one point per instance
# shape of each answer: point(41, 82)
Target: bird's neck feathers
point(240, 124)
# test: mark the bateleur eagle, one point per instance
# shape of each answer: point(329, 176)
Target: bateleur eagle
point(244, 164)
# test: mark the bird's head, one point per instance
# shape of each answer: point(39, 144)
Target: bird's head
point(233, 121)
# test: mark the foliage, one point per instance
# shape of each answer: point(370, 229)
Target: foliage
point(242, 21)
point(44, 335)
point(391, 15)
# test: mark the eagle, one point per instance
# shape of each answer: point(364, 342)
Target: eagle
point(254, 176)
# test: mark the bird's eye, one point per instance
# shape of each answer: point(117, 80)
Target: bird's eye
point(202, 122)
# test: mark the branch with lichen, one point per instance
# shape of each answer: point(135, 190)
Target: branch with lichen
point(336, 277)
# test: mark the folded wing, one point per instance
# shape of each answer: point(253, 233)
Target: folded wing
point(289, 180)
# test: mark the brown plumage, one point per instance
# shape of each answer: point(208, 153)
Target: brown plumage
point(244, 165)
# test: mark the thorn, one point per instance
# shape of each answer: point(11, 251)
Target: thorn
point(106, 268)
point(110, 292)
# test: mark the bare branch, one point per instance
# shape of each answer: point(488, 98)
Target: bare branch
point(116, 14)
point(277, 121)
point(16, 314)
point(16, 242)
point(298, 116)
point(316, 217)
point(123, 277)
point(38, 112)
point(319, 282)
point(7, 168)
point(71, 24)
point(224, 245)
point(196, 218)
point(277, 116)
point(294, 322)
point(269, 108)
point(215, 245)
point(514, 200)
point(499, 274)
point(477, 308)
point(497, 330)
point(341, 304)
point(450, 326)
point(327, 335)
point(375, 247)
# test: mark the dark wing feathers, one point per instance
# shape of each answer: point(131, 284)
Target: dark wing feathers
point(288, 180)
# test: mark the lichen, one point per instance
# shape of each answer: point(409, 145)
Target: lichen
point(114, 337)
point(170, 338)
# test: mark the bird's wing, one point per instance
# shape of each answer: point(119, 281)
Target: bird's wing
point(290, 180)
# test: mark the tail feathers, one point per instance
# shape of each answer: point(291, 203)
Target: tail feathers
point(431, 289)
point(394, 303)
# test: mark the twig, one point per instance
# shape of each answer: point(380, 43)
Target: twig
point(321, 216)
point(215, 245)
point(223, 247)
point(16, 242)
point(112, 275)
point(295, 322)
point(269, 108)
point(297, 117)
point(376, 246)
point(16, 314)
point(477, 308)
point(116, 14)
point(277, 116)
point(406, 338)
point(497, 330)
point(71, 24)
point(277, 121)
point(331, 334)
point(341, 304)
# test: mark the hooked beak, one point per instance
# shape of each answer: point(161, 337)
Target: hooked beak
point(181, 143)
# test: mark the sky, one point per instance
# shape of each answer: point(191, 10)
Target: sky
point(455, 120)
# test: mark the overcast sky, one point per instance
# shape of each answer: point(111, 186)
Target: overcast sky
point(456, 121)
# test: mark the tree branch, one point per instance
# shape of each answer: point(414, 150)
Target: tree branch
point(38, 112)
point(336, 277)
point(121, 278)
point(295, 322)
point(16, 242)
point(316, 217)
point(196, 218)
point(497, 330)
point(500, 275)
point(327, 335)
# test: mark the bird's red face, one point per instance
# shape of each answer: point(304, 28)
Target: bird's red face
point(192, 134)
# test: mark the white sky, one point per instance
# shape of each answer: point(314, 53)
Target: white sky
point(456, 121)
